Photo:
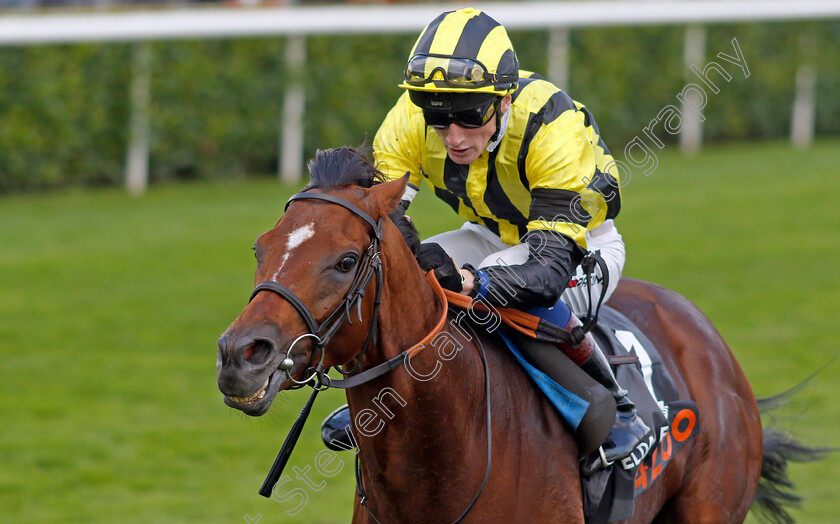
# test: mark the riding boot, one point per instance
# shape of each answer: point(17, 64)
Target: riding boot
point(629, 429)
point(336, 430)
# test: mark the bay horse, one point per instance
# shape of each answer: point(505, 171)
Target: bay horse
point(429, 450)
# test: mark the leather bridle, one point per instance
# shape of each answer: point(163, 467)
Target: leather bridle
point(370, 267)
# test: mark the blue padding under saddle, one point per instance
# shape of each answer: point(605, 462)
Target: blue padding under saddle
point(568, 404)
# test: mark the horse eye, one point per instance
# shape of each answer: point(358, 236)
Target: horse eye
point(346, 264)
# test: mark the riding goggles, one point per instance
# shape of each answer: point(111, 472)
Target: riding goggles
point(468, 118)
point(454, 71)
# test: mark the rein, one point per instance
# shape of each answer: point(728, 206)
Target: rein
point(322, 333)
point(533, 326)
point(401, 358)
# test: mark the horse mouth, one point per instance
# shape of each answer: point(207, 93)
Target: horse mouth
point(258, 403)
point(253, 398)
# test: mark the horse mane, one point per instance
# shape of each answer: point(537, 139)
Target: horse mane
point(345, 166)
point(342, 166)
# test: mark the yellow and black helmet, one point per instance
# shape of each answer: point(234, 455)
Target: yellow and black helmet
point(463, 51)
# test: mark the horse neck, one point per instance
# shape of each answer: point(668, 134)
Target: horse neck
point(409, 309)
point(414, 421)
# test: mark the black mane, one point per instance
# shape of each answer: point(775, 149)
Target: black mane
point(343, 166)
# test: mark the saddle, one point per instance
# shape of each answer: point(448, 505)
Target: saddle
point(588, 408)
point(609, 493)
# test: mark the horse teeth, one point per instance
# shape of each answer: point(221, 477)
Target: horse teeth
point(253, 398)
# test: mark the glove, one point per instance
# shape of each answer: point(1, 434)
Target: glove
point(431, 256)
point(406, 227)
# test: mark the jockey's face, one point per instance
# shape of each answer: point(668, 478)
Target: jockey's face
point(464, 145)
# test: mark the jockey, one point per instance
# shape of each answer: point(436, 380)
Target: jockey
point(525, 166)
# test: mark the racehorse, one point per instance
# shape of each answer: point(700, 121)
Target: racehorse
point(459, 432)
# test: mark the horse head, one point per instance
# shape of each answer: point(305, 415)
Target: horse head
point(316, 277)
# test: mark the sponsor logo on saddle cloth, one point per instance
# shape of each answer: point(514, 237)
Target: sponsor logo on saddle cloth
point(681, 427)
point(673, 420)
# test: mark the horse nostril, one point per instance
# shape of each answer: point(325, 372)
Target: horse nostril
point(222, 356)
point(257, 352)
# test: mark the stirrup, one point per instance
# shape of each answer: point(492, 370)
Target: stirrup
point(594, 463)
point(603, 457)
point(638, 431)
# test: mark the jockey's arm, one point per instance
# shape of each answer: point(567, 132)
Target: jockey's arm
point(539, 281)
point(559, 163)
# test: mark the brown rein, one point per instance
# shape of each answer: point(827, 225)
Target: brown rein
point(534, 327)
point(400, 359)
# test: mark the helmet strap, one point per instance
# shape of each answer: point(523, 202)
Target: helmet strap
point(493, 143)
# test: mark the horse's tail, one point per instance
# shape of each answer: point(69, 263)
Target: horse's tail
point(776, 492)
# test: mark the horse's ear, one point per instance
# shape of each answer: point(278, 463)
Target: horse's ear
point(388, 194)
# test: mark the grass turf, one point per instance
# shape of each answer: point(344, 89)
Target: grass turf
point(111, 307)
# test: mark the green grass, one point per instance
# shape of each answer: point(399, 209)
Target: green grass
point(110, 307)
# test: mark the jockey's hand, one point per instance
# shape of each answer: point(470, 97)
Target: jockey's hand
point(431, 256)
point(468, 277)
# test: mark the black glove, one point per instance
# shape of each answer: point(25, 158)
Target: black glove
point(431, 256)
point(406, 227)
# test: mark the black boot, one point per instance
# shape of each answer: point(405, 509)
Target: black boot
point(629, 429)
point(336, 430)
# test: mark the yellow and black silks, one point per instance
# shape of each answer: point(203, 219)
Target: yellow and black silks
point(550, 171)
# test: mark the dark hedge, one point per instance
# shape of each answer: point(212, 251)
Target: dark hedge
point(215, 112)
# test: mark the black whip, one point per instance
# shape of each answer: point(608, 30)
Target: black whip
point(288, 445)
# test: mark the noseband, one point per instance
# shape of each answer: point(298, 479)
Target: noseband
point(370, 267)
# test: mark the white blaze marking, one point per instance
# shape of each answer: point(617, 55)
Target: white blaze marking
point(296, 238)
point(299, 235)
point(282, 263)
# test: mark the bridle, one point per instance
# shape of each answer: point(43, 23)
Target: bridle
point(369, 267)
